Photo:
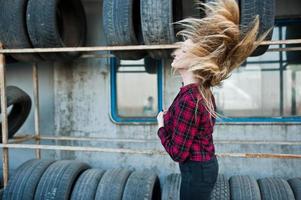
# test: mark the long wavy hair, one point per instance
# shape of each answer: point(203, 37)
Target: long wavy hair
point(219, 46)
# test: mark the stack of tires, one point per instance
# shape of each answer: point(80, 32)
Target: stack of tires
point(66, 179)
point(240, 188)
point(134, 22)
point(42, 24)
point(150, 22)
point(70, 179)
point(19, 105)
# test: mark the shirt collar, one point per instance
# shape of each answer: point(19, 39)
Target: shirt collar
point(188, 86)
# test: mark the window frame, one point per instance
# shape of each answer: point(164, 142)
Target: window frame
point(113, 94)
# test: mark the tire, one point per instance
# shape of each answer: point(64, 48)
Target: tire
point(9, 59)
point(142, 185)
point(295, 184)
point(1, 179)
point(244, 187)
point(21, 103)
point(56, 23)
point(274, 188)
point(111, 185)
point(86, 185)
point(171, 187)
point(58, 180)
point(23, 184)
point(266, 11)
point(121, 24)
point(13, 31)
point(156, 21)
point(1, 194)
point(293, 32)
point(221, 190)
point(151, 65)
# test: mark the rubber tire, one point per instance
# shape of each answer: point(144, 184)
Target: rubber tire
point(221, 190)
point(111, 185)
point(266, 11)
point(274, 188)
point(21, 108)
point(13, 31)
point(295, 184)
point(156, 22)
point(151, 65)
point(58, 180)
point(23, 184)
point(293, 32)
point(171, 187)
point(1, 179)
point(142, 185)
point(121, 24)
point(244, 187)
point(48, 29)
point(9, 59)
point(11, 174)
point(86, 185)
point(1, 193)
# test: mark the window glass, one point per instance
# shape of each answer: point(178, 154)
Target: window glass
point(136, 89)
point(266, 86)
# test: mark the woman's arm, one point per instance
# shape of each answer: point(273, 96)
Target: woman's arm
point(178, 142)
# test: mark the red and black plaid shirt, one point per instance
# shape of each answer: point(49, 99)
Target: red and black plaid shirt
point(187, 132)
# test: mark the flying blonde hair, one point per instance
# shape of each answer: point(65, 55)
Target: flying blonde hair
point(219, 45)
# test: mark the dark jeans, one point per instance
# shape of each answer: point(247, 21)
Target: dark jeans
point(198, 179)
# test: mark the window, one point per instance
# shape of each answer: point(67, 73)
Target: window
point(136, 90)
point(267, 88)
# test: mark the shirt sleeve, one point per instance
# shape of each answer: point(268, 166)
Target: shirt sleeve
point(178, 142)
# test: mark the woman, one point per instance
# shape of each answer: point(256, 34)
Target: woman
point(214, 46)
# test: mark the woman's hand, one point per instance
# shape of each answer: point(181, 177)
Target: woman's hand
point(160, 118)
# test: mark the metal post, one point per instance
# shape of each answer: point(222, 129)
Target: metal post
point(294, 94)
point(281, 76)
point(4, 117)
point(35, 78)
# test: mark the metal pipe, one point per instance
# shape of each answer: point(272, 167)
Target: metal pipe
point(4, 117)
point(35, 77)
point(136, 47)
point(98, 139)
point(21, 138)
point(285, 49)
point(136, 151)
point(89, 49)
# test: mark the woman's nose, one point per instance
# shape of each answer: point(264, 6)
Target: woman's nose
point(173, 54)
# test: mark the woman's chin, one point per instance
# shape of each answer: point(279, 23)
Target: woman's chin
point(173, 64)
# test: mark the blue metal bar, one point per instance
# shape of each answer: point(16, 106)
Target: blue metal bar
point(261, 119)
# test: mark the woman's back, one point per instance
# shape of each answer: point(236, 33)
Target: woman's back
point(188, 127)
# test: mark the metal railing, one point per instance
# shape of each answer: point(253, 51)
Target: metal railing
point(17, 142)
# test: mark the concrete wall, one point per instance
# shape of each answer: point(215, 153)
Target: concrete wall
point(75, 99)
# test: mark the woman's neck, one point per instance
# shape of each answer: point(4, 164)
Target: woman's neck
point(188, 78)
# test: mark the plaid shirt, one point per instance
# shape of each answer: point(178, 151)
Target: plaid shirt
point(187, 132)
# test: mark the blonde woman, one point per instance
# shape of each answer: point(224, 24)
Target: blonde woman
point(214, 46)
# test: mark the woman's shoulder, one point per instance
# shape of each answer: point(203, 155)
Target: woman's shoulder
point(193, 97)
point(191, 101)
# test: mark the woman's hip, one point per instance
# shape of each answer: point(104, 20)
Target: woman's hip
point(200, 173)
